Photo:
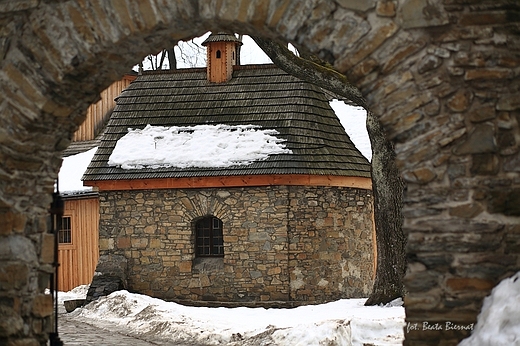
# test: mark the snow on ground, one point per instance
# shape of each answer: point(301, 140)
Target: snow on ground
point(71, 171)
point(195, 146)
point(344, 322)
point(498, 323)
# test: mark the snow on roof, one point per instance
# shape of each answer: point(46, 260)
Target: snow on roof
point(351, 118)
point(71, 171)
point(261, 95)
point(201, 146)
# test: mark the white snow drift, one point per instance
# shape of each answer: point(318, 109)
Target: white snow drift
point(344, 322)
point(195, 146)
point(498, 323)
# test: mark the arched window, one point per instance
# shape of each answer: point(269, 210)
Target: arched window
point(209, 240)
point(218, 54)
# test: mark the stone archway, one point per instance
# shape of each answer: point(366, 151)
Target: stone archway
point(442, 76)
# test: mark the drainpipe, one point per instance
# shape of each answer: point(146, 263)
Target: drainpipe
point(56, 211)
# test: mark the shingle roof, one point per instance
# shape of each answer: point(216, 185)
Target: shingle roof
point(80, 147)
point(221, 37)
point(260, 95)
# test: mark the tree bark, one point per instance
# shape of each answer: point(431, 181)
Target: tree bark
point(239, 48)
point(387, 185)
point(388, 188)
point(172, 59)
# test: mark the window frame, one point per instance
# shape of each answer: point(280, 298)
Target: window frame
point(69, 231)
point(211, 228)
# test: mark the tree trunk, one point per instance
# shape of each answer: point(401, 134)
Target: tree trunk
point(321, 75)
point(388, 188)
point(387, 185)
point(239, 48)
point(163, 55)
point(172, 59)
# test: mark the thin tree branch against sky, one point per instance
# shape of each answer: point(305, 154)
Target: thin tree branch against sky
point(193, 54)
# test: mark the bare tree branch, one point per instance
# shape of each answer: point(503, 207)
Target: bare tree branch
point(307, 70)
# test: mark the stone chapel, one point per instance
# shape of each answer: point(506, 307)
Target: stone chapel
point(295, 228)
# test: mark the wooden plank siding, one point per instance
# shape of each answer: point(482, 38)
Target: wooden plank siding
point(78, 259)
point(99, 112)
point(220, 61)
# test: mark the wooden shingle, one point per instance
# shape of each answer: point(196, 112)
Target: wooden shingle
point(260, 95)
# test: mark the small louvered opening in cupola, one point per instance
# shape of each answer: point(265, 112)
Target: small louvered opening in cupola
point(221, 53)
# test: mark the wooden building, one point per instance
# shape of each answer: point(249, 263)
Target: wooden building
point(294, 228)
point(78, 249)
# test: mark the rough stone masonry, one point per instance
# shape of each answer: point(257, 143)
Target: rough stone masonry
point(441, 75)
point(283, 245)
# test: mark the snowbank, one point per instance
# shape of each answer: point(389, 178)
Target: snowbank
point(498, 323)
point(344, 322)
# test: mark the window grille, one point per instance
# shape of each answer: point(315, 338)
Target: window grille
point(209, 237)
point(65, 233)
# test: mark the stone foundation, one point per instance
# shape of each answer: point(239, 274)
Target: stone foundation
point(281, 244)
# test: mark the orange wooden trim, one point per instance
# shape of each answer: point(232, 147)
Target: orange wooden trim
point(231, 181)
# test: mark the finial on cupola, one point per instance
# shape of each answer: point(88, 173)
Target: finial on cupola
point(222, 56)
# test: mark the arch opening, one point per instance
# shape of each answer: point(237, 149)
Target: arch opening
point(461, 186)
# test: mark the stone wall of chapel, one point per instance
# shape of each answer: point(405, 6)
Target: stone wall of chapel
point(330, 243)
point(282, 244)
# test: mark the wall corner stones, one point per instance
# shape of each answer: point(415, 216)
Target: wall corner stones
point(110, 276)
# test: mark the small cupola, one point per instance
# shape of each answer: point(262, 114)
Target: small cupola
point(222, 56)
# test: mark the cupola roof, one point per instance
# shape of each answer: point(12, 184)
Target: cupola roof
point(221, 37)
